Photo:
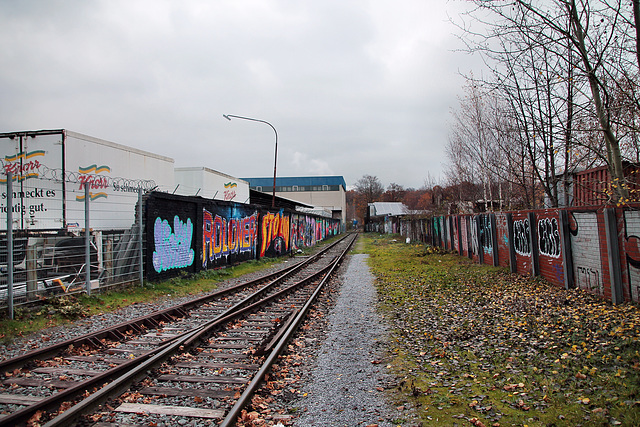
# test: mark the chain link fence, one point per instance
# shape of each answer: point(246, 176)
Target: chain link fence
point(68, 233)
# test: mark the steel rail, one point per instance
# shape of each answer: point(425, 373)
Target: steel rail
point(182, 343)
point(258, 378)
point(138, 324)
point(143, 322)
point(136, 368)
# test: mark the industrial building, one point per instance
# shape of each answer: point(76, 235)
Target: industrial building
point(325, 193)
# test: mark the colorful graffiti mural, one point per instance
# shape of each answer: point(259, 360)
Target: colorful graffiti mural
point(206, 234)
point(172, 246)
point(307, 230)
point(225, 236)
point(274, 232)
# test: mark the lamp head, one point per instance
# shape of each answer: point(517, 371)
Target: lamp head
point(226, 117)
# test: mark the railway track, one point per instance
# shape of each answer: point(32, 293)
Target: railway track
point(202, 360)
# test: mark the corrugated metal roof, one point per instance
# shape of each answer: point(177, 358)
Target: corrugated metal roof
point(389, 208)
point(288, 181)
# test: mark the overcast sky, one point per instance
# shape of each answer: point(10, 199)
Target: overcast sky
point(353, 87)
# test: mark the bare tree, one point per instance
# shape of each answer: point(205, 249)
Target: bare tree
point(395, 193)
point(370, 188)
point(559, 64)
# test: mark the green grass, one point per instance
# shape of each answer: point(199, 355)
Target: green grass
point(64, 309)
point(476, 345)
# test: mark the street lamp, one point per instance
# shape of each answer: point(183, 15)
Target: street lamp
point(275, 156)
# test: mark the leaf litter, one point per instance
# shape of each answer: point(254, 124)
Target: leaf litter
point(477, 345)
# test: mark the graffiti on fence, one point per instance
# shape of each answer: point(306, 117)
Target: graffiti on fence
point(307, 230)
point(464, 230)
point(474, 237)
point(558, 272)
point(172, 246)
point(303, 231)
point(521, 240)
point(456, 236)
point(585, 250)
point(502, 230)
point(486, 239)
point(222, 237)
point(588, 279)
point(632, 251)
point(274, 232)
point(549, 237)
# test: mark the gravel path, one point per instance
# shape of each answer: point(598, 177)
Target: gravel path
point(348, 381)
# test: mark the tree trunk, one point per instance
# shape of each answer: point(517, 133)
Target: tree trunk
point(614, 156)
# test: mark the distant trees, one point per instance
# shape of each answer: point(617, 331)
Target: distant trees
point(370, 188)
point(563, 94)
point(395, 193)
point(430, 198)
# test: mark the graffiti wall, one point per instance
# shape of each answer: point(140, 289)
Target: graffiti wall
point(550, 247)
point(502, 235)
point(275, 229)
point(485, 237)
point(632, 252)
point(190, 234)
point(307, 230)
point(456, 235)
point(229, 235)
point(571, 248)
point(585, 245)
point(464, 236)
point(522, 244)
point(171, 236)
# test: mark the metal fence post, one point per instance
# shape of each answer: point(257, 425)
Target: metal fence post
point(140, 254)
point(613, 250)
point(87, 240)
point(10, 243)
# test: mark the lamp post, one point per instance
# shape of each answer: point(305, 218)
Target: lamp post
point(275, 156)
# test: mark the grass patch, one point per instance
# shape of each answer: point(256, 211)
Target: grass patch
point(476, 345)
point(64, 309)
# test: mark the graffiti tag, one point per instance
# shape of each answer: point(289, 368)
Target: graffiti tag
point(549, 237)
point(275, 230)
point(588, 279)
point(222, 237)
point(173, 247)
point(521, 241)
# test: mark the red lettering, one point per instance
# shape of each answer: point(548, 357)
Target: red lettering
point(93, 181)
point(20, 169)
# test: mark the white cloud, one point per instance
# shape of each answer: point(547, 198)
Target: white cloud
point(353, 88)
point(305, 166)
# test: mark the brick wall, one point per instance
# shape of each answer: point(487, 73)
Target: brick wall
point(596, 250)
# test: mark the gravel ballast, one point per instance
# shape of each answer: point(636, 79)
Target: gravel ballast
point(343, 379)
point(346, 387)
